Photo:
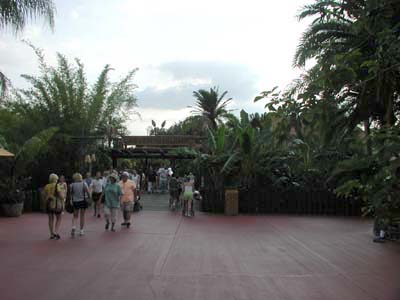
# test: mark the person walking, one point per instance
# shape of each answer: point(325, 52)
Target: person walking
point(151, 181)
point(88, 179)
point(157, 189)
point(62, 182)
point(136, 178)
point(129, 190)
point(112, 197)
point(173, 192)
point(106, 180)
point(79, 199)
point(163, 174)
point(188, 189)
point(54, 205)
point(143, 183)
point(97, 190)
point(63, 187)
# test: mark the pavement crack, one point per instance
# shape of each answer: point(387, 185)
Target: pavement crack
point(170, 248)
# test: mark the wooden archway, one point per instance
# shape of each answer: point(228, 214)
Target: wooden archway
point(154, 147)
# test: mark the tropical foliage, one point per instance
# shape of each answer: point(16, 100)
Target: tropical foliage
point(192, 125)
point(356, 46)
point(60, 96)
point(335, 128)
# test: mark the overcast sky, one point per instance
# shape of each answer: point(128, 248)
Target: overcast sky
point(179, 46)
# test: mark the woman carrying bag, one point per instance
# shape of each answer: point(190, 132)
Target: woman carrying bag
point(54, 205)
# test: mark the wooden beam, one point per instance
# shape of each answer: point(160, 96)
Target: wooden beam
point(163, 140)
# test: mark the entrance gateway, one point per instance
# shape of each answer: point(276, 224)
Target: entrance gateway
point(154, 147)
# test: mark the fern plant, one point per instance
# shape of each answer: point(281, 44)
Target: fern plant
point(375, 178)
point(11, 186)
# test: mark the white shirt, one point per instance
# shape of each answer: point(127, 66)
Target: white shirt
point(105, 181)
point(162, 173)
point(97, 185)
point(136, 179)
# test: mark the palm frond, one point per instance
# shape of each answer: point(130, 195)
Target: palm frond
point(33, 147)
point(16, 13)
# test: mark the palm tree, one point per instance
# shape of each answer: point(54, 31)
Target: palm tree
point(15, 14)
point(211, 105)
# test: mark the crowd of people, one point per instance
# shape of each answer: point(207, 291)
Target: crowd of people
point(109, 192)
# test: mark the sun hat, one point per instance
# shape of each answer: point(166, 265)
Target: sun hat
point(114, 176)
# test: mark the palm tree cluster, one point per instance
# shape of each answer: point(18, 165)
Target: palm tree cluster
point(356, 48)
point(336, 127)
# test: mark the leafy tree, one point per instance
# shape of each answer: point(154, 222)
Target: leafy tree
point(249, 139)
point(375, 178)
point(192, 125)
point(62, 97)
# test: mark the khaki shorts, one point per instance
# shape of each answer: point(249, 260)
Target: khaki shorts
point(127, 206)
point(111, 213)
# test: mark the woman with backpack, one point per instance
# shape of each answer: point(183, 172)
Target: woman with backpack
point(54, 205)
point(80, 195)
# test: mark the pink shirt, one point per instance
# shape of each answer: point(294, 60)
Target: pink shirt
point(127, 189)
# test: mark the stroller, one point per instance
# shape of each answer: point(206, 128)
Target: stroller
point(137, 206)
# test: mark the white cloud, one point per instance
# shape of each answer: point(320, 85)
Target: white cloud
point(74, 15)
point(33, 32)
point(72, 45)
point(139, 126)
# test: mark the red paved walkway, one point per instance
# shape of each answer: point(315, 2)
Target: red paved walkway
point(208, 257)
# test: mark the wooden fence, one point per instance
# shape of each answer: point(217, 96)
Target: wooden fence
point(272, 201)
point(213, 200)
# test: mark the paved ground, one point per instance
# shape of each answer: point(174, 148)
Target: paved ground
point(155, 202)
point(165, 256)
